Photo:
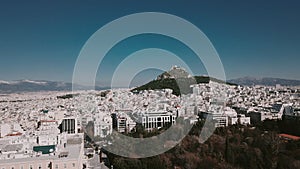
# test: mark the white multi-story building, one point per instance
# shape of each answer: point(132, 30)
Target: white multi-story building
point(151, 120)
point(243, 120)
point(47, 132)
point(102, 125)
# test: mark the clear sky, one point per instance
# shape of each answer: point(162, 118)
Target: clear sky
point(42, 39)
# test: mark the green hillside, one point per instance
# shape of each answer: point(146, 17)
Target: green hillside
point(174, 84)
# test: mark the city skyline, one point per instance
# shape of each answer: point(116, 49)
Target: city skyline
point(41, 40)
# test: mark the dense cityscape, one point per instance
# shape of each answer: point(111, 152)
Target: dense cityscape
point(50, 129)
point(149, 84)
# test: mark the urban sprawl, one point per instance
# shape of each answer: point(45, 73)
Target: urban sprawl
point(42, 130)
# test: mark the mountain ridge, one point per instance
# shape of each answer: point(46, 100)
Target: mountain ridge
point(266, 81)
point(25, 85)
point(165, 80)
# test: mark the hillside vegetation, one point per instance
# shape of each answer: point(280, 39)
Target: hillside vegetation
point(180, 85)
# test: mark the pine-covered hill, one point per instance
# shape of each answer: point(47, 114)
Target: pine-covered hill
point(172, 83)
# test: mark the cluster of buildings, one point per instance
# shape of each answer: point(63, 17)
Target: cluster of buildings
point(247, 104)
point(122, 110)
point(45, 130)
point(38, 132)
point(45, 147)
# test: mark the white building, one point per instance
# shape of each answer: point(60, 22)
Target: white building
point(151, 120)
point(47, 132)
point(243, 120)
point(6, 129)
point(231, 116)
point(220, 118)
point(102, 125)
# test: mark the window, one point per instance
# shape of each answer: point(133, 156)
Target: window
point(65, 165)
point(56, 166)
point(73, 164)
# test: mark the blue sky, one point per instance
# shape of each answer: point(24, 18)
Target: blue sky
point(42, 39)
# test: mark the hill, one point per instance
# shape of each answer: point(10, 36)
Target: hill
point(174, 78)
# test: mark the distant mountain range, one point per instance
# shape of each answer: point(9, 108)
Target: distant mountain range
point(19, 86)
point(249, 81)
point(168, 79)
